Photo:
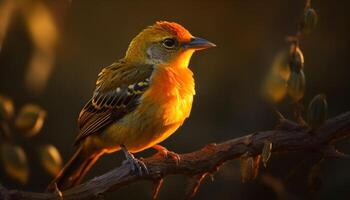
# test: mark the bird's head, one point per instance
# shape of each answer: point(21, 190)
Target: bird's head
point(165, 43)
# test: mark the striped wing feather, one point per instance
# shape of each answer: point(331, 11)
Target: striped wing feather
point(118, 90)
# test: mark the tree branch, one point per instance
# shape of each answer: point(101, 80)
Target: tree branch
point(288, 137)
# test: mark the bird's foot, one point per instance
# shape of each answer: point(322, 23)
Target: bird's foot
point(137, 166)
point(164, 152)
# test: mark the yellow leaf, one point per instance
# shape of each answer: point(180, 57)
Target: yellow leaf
point(249, 167)
point(51, 159)
point(30, 119)
point(280, 65)
point(266, 152)
point(44, 32)
point(6, 108)
point(274, 88)
point(15, 162)
point(7, 9)
point(256, 165)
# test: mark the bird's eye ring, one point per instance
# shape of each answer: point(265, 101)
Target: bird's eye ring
point(169, 43)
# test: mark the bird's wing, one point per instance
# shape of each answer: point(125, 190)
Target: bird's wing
point(118, 90)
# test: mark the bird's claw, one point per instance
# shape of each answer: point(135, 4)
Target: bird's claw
point(172, 155)
point(168, 154)
point(137, 166)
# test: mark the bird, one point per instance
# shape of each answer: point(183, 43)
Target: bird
point(139, 101)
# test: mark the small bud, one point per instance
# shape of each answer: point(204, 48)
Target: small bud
point(6, 108)
point(296, 86)
point(309, 22)
point(266, 152)
point(30, 119)
point(317, 111)
point(50, 159)
point(296, 60)
point(15, 162)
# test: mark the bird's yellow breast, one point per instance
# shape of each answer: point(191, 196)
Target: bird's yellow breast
point(162, 109)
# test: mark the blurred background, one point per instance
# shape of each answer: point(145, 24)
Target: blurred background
point(52, 51)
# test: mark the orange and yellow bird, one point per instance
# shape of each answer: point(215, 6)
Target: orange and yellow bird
point(139, 101)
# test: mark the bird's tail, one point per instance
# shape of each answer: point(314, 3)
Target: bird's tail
point(74, 171)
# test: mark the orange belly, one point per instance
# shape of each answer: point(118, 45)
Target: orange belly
point(163, 109)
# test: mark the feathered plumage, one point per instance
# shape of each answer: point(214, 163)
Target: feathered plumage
point(138, 102)
point(118, 91)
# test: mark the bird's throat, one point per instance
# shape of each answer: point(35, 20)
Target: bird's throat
point(183, 59)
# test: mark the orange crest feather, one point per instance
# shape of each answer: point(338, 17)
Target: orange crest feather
point(175, 29)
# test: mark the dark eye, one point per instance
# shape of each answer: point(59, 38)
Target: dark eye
point(169, 43)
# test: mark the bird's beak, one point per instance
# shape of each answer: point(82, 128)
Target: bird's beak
point(197, 43)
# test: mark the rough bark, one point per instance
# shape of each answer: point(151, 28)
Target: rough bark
point(287, 137)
